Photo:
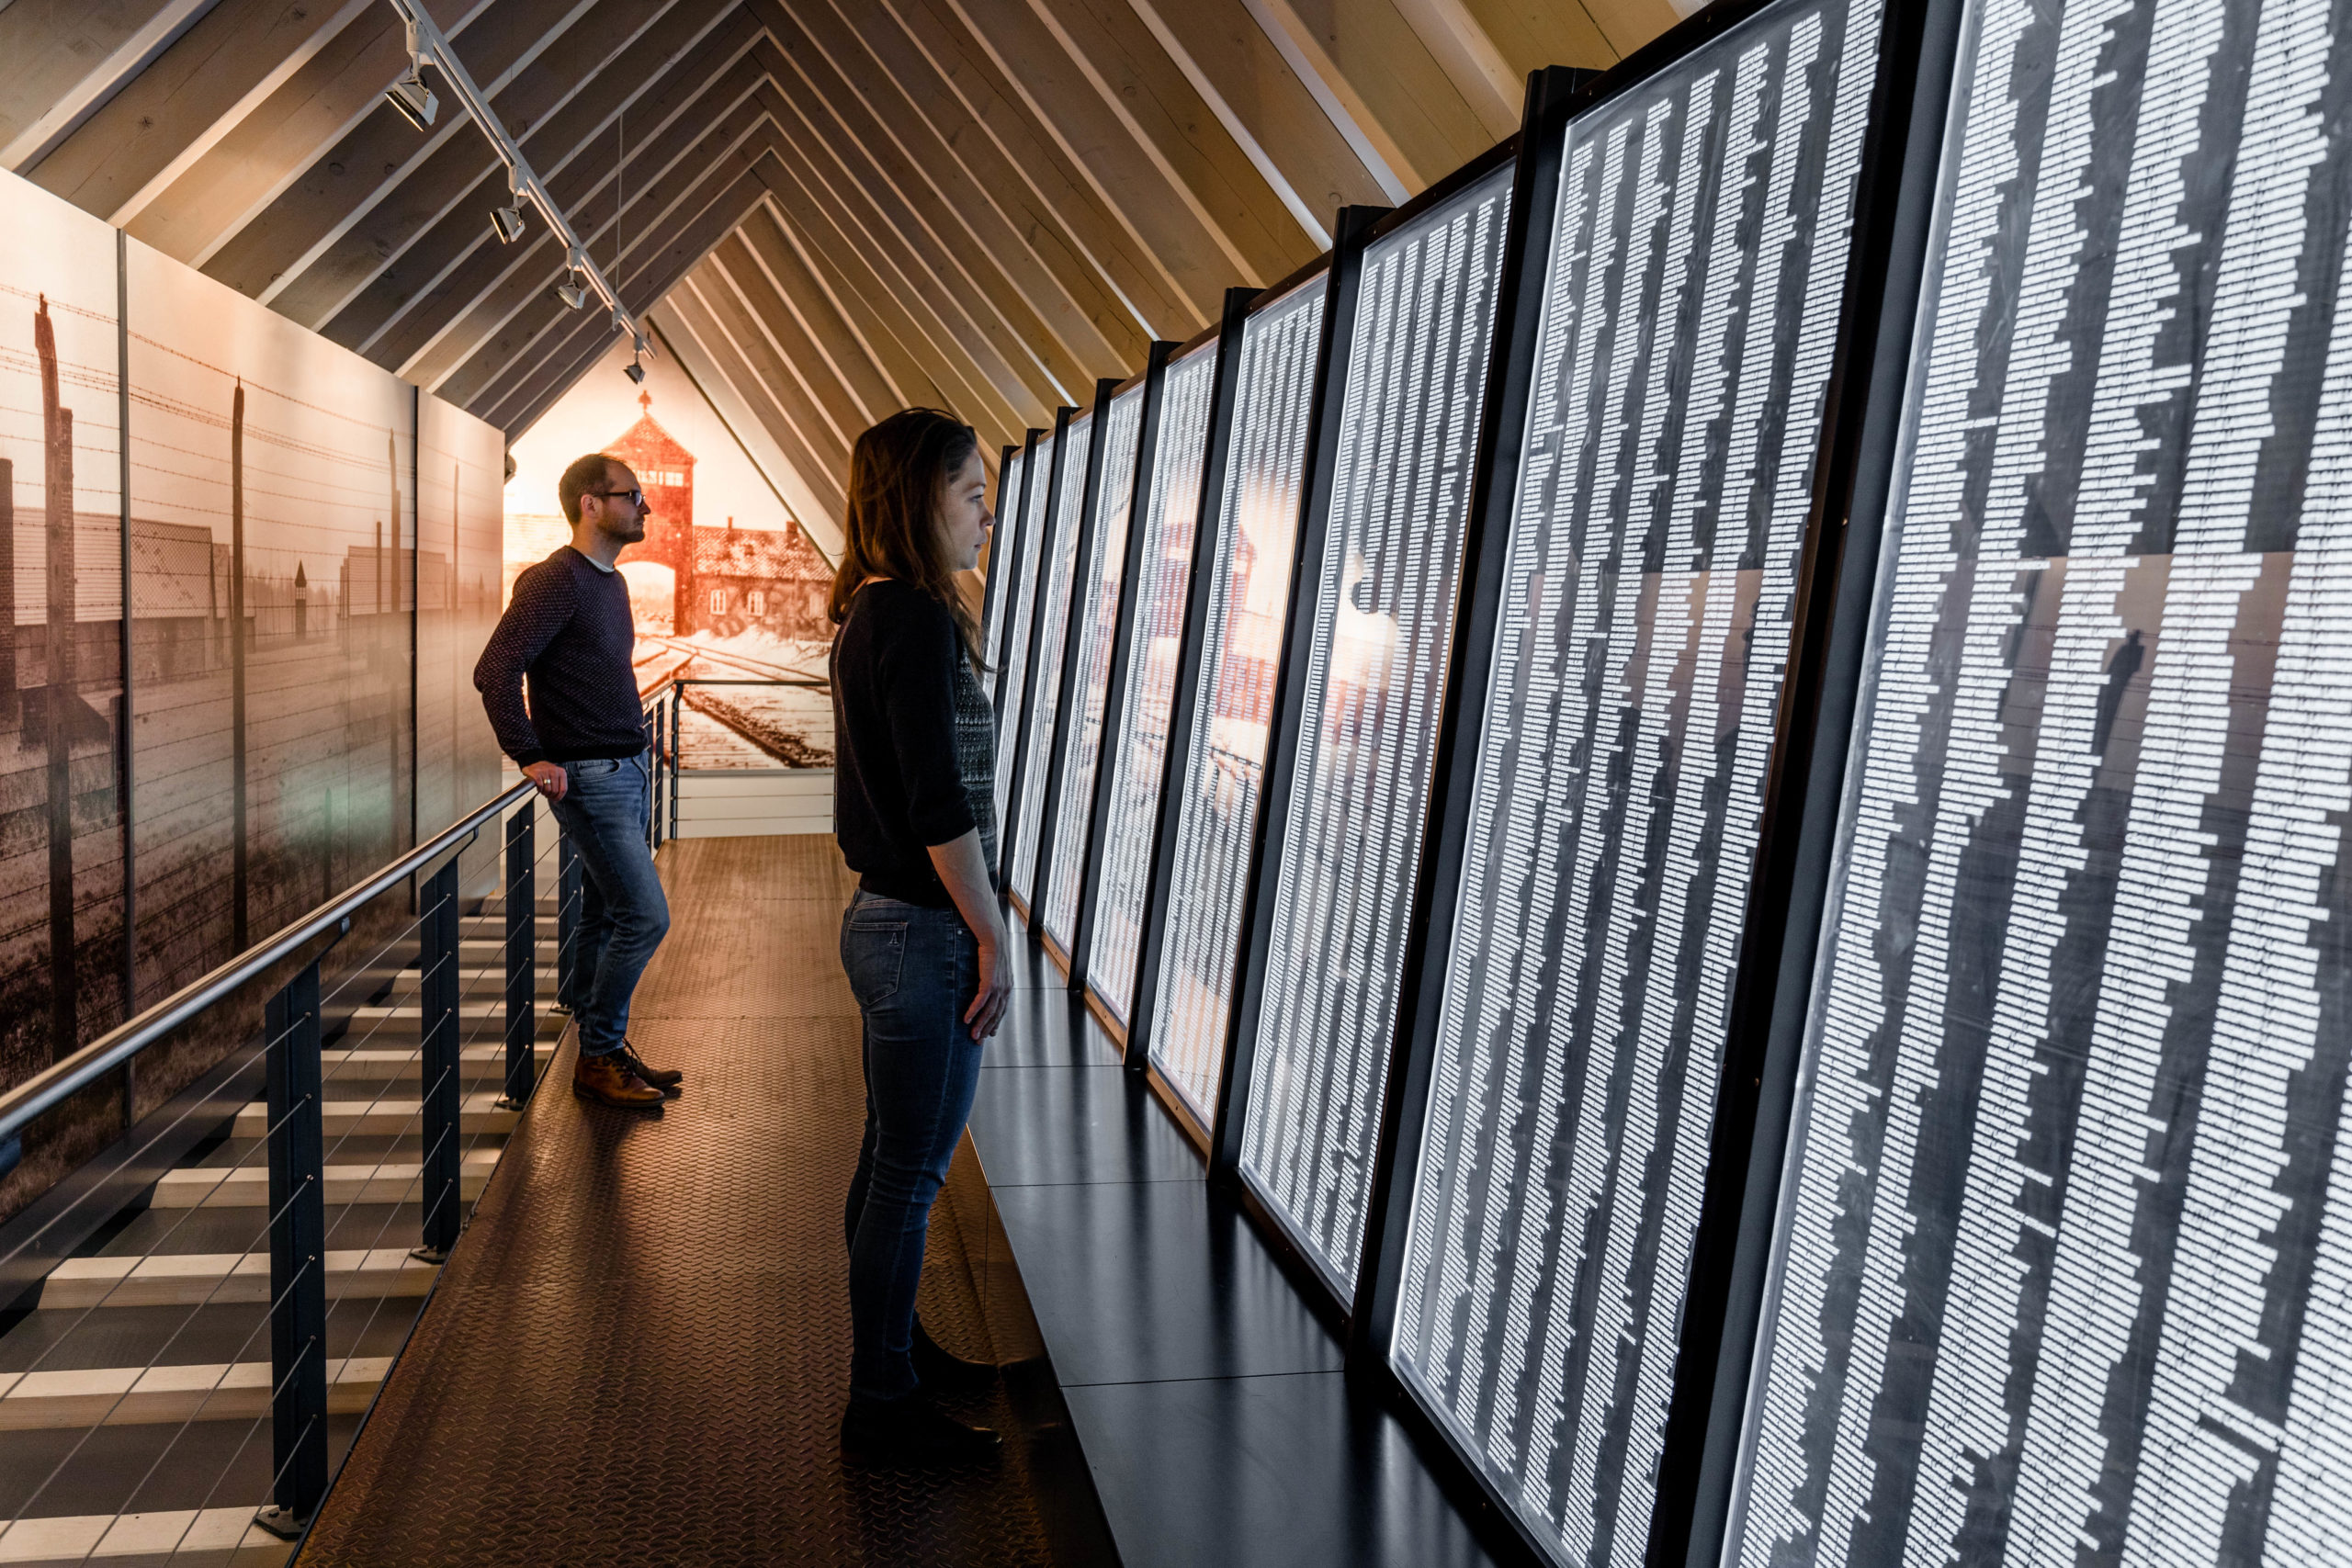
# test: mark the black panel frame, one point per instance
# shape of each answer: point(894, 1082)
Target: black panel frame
point(1036, 586)
point(1351, 228)
point(1057, 745)
point(992, 585)
point(1135, 1039)
point(1011, 605)
point(1772, 991)
point(1330, 1297)
point(1154, 377)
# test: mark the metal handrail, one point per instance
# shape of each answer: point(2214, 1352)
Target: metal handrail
point(61, 1080)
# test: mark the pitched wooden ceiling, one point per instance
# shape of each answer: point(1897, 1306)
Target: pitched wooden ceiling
point(830, 208)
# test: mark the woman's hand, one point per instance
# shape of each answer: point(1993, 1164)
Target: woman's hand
point(995, 990)
point(965, 869)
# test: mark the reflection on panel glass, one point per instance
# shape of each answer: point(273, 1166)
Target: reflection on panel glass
point(1691, 309)
point(2067, 1227)
point(1001, 554)
point(1098, 622)
point(1241, 646)
point(1375, 669)
point(1057, 574)
point(270, 491)
point(1013, 668)
point(1139, 751)
point(62, 895)
point(460, 527)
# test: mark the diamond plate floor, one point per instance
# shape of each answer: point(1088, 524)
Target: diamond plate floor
point(639, 1351)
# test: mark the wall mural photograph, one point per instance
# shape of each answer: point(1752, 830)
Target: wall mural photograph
point(62, 949)
point(728, 587)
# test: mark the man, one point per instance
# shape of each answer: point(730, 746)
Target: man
point(583, 741)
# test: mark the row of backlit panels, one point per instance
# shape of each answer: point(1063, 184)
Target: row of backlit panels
point(1801, 1043)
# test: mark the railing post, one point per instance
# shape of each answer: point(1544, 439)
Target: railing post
point(437, 962)
point(522, 958)
point(567, 921)
point(297, 1287)
point(654, 780)
point(677, 702)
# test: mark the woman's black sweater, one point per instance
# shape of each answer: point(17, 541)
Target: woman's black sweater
point(914, 743)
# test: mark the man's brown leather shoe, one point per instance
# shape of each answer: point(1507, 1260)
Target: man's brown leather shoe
point(666, 1080)
point(607, 1080)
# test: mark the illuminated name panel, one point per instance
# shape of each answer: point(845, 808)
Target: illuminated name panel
point(2066, 1228)
point(1255, 537)
point(1097, 627)
point(1691, 309)
point(1001, 550)
point(1139, 751)
point(1057, 572)
point(1012, 670)
point(1373, 681)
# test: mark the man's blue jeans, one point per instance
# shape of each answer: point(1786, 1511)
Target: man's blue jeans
point(605, 811)
point(913, 970)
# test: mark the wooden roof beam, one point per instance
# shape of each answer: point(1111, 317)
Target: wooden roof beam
point(449, 266)
point(1378, 75)
point(474, 342)
point(340, 187)
point(1266, 107)
point(790, 233)
point(229, 62)
point(1046, 194)
point(942, 193)
point(956, 352)
point(414, 232)
point(905, 89)
point(535, 376)
point(67, 58)
point(736, 271)
point(783, 407)
point(802, 315)
point(972, 298)
point(208, 198)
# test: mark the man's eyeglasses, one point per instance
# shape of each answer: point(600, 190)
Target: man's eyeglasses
point(636, 497)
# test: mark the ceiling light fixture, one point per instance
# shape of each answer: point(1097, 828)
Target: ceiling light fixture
point(506, 222)
point(582, 280)
point(409, 94)
point(635, 368)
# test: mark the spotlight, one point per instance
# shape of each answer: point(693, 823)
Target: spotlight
point(412, 97)
point(635, 372)
point(571, 294)
point(506, 222)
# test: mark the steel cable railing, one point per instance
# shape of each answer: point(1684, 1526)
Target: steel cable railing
point(293, 1142)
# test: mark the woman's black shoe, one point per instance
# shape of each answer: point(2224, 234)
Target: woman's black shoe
point(912, 1431)
point(943, 1372)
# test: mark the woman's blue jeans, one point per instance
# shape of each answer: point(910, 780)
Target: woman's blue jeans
point(913, 970)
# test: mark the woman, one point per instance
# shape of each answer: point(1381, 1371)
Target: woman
point(922, 943)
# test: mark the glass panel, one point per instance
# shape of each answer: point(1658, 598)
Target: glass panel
point(461, 524)
point(1013, 667)
point(1661, 513)
point(61, 662)
point(1058, 573)
point(2068, 1215)
point(1374, 681)
point(1008, 503)
point(1097, 625)
point(273, 489)
point(1139, 752)
point(1216, 801)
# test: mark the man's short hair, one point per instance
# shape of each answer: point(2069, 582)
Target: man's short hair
point(585, 474)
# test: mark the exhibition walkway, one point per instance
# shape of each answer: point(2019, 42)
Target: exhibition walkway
point(638, 1350)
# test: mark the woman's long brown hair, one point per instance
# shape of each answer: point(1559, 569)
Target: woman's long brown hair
point(897, 473)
